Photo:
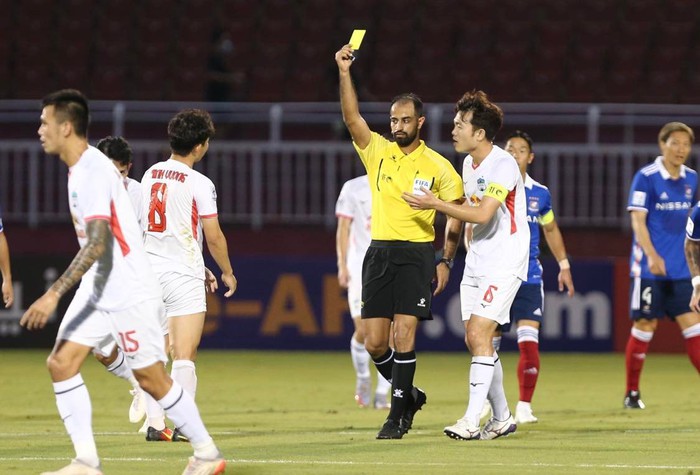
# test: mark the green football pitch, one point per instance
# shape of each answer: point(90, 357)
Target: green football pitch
point(294, 413)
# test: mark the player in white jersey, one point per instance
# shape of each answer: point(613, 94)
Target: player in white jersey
point(118, 150)
point(118, 297)
point(497, 255)
point(180, 210)
point(354, 212)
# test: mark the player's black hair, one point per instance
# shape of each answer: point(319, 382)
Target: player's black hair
point(116, 148)
point(485, 114)
point(189, 128)
point(410, 97)
point(521, 135)
point(70, 105)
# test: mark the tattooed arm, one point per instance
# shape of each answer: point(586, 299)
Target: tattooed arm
point(99, 237)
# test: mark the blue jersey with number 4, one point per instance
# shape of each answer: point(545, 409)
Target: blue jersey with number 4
point(667, 202)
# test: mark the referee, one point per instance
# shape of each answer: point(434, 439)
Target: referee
point(399, 265)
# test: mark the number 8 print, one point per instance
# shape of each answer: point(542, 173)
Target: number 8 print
point(156, 208)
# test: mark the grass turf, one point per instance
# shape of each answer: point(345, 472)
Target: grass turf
point(294, 413)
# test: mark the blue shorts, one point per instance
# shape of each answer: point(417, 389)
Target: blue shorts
point(528, 304)
point(652, 299)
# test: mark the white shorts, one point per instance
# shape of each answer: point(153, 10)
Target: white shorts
point(137, 330)
point(488, 297)
point(182, 294)
point(355, 297)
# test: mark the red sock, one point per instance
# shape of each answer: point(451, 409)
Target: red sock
point(528, 368)
point(692, 346)
point(635, 354)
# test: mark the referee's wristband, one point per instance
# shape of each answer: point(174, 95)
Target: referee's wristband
point(564, 264)
point(696, 281)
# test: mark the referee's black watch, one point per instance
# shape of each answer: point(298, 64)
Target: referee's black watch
point(448, 262)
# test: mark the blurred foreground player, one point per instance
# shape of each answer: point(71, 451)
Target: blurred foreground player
point(118, 297)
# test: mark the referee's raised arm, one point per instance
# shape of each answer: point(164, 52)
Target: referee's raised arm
point(358, 128)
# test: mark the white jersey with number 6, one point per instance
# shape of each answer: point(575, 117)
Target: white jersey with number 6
point(175, 198)
point(502, 245)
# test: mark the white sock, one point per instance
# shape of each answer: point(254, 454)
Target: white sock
point(183, 372)
point(383, 386)
point(528, 333)
point(360, 358)
point(120, 369)
point(480, 376)
point(496, 343)
point(75, 408)
point(180, 408)
point(154, 413)
point(497, 395)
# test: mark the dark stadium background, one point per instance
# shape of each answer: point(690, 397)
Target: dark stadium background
point(634, 57)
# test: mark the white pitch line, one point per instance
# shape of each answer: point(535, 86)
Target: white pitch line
point(379, 463)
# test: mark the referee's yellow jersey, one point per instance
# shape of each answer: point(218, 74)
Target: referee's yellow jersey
point(390, 173)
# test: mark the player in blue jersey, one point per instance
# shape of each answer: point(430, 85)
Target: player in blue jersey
point(661, 197)
point(528, 305)
point(526, 311)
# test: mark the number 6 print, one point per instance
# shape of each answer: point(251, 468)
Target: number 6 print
point(488, 296)
point(156, 208)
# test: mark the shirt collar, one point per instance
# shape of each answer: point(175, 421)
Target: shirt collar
point(418, 152)
point(664, 172)
point(529, 182)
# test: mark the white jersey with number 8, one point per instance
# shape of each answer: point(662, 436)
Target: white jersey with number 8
point(175, 198)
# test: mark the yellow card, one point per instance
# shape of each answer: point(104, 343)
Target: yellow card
point(356, 38)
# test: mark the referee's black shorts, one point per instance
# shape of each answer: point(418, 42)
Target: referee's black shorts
point(396, 278)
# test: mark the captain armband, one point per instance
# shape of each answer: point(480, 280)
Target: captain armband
point(496, 191)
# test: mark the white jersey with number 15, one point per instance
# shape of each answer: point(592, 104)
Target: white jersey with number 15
point(175, 198)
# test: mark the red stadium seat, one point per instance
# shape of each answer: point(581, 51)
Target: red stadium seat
point(660, 87)
point(267, 84)
point(108, 83)
point(585, 85)
point(619, 86)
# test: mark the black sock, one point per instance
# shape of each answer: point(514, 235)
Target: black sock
point(385, 364)
point(402, 383)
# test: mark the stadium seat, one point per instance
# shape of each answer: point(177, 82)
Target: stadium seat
point(585, 85)
point(385, 83)
point(641, 10)
point(541, 85)
point(680, 10)
point(307, 85)
point(189, 84)
point(463, 80)
point(108, 83)
point(151, 82)
point(665, 59)
point(267, 84)
point(674, 34)
point(660, 87)
point(619, 86)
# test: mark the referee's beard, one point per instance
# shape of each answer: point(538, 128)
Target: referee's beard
point(404, 139)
